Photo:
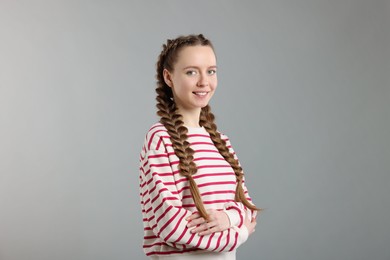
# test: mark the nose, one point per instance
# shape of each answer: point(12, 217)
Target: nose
point(202, 81)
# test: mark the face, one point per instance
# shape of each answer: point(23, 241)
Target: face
point(193, 79)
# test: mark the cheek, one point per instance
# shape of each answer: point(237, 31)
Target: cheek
point(214, 83)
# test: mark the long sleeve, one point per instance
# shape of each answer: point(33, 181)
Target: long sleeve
point(164, 212)
point(237, 211)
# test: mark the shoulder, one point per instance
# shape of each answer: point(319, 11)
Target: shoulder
point(155, 136)
point(226, 138)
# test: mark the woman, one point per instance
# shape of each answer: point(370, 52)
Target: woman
point(194, 201)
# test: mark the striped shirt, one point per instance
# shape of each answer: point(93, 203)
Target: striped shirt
point(166, 199)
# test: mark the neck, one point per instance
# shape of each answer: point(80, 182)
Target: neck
point(190, 117)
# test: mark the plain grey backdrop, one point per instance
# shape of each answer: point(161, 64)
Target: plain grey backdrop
point(304, 95)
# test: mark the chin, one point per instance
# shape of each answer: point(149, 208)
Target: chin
point(202, 105)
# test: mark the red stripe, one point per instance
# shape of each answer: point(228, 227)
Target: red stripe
point(199, 241)
point(235, 242)
point(150, 237)
point(159, 165)
point(212, 193)
point(175, 228)
point(147, 201)
point(172, 252)
point(216, 183)
point(239, 212)
point(147, 211)
point(192, 237)
point(149, 219)
point(160, 205)
point(155, 244)
point(227, 240)
point(218, 241)
point(218, 192)
point(152, 137)
point(208, 202)
point(169, 221)
point(158, 156)
point(163, 215)
point(158, 143)
point(155, 185)
point(209, 242)
point(164, 199)
point(182, 234)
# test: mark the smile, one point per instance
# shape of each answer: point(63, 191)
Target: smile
point(200, 93)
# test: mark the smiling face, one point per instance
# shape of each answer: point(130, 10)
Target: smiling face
point(193, 79)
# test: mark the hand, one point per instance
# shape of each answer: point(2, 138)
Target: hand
point(250, 224)
point(218, 221)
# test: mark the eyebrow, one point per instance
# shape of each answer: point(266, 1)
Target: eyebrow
point(195, 67)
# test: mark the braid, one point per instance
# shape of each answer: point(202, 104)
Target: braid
point(207, 121)
point(172, 120)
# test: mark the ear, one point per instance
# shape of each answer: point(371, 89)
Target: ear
point(167, 78)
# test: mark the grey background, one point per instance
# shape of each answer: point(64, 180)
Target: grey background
point(304, 95)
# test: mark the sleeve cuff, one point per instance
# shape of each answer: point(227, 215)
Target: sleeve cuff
point(234, 217)
point(243, 233)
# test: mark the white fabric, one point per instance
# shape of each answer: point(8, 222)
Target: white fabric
point(199, 256)
point(166, 199)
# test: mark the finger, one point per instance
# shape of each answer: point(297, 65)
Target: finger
point(208, 231)
point(203, 227)
point(196, 222)
point(199, 228)
point(193, 216)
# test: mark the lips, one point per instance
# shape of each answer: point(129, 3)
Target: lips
point(200, 93)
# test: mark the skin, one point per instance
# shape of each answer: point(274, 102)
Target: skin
point(193, 81)
point(194, 73)
point(218, 222)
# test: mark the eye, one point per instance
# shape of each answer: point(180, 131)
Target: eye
point(190, 72)
point(212, 72)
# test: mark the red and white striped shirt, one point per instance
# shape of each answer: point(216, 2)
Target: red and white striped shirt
point(166, 199)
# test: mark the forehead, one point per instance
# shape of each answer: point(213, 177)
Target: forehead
point(198, 56)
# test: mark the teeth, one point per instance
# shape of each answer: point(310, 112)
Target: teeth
point(200, 93)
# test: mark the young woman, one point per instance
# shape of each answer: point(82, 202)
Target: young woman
point(195, 204)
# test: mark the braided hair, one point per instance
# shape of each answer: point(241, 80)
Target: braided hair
point(173, 122)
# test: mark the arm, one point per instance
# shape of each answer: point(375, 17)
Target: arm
point(251, 213)
point(164, 212)
point(235, 212)
point(232, 215)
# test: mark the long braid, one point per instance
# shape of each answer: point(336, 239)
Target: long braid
point(207, 121)
point(172, 120)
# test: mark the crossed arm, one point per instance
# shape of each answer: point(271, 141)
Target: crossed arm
point(162, 208)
